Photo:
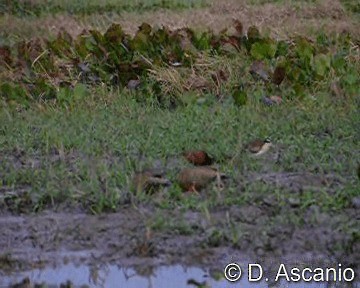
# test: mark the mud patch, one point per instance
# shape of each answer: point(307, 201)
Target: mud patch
point(231, 234)
point(115, 276)
point(299, 181)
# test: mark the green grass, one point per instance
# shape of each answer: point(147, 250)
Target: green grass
point(86, 156)
point(352, 6)
point(81, 148)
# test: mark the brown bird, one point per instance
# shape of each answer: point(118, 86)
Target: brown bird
point(148, 180)
point(197, 178)
point(198, 157)
point(258, 147)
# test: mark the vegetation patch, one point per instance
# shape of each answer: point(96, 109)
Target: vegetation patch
point(81, 114)
point(38, 8)
point(173, 63)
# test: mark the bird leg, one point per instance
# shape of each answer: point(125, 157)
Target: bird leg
point(192, 189)
point(219, 183)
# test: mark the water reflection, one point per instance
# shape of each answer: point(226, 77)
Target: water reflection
point(162, 277)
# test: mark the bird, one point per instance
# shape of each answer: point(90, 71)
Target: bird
point(198, 157)
point(196, 178)
point(258, 147)
point(148, 180)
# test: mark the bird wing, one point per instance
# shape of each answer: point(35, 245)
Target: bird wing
point(255, 146)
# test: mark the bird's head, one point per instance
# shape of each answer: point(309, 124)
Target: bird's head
point(267, 140)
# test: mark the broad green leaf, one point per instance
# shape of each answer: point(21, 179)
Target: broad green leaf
point(304, 49)
point(263, 50)
point(321, 64)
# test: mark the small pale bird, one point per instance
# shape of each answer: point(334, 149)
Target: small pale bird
point(197, 178)
point(148, 180)
point(198, 157)
point(259, 147)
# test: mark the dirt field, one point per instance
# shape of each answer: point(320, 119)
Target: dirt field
point(224, 235)
point(121, 238)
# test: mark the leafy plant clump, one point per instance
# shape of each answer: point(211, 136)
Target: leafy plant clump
point(62, 70)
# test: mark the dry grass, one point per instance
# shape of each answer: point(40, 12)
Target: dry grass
point(36, 27)
point(278, 19)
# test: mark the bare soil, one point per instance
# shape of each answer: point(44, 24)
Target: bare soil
point(51, 238)
point(259, 231)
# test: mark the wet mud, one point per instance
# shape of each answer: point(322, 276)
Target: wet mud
point(35, 241)
point(255, 232)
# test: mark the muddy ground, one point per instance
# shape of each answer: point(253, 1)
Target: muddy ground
point(258, 231)
point(35, 241)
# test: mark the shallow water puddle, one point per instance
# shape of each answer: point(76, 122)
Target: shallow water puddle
point(113, 276)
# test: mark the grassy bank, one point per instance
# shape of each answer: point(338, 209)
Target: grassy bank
point(80, 148)
point(85, 156)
